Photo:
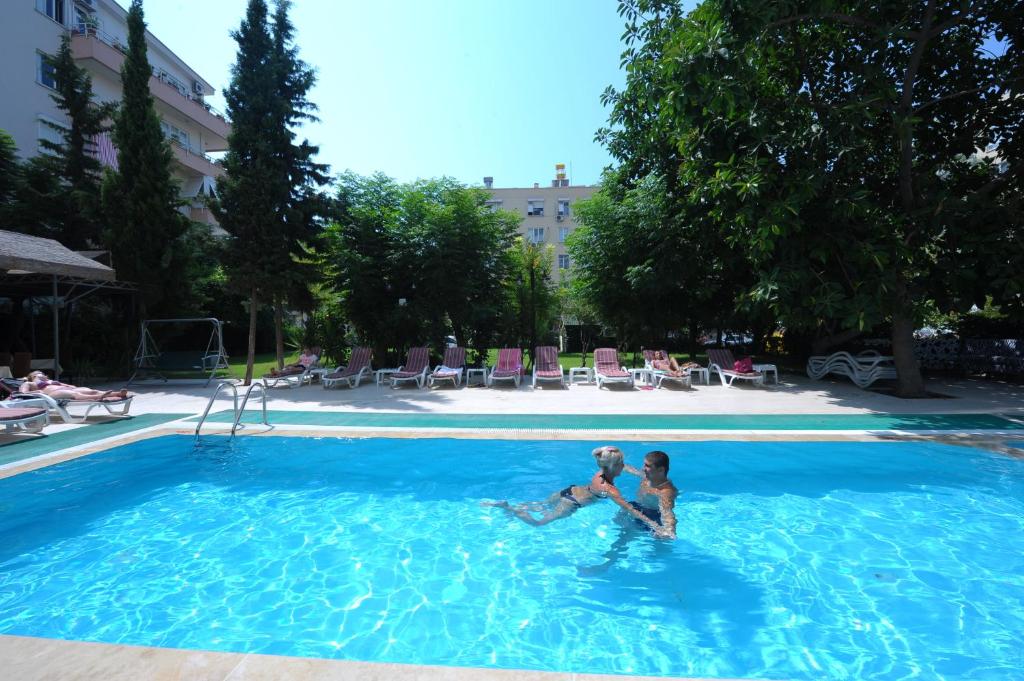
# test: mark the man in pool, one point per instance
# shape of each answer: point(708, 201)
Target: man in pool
point(656, 498)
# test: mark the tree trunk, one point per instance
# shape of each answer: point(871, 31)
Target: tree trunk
point(820, 345)
point(279, 332)
point(909, 382)
point(251, 357)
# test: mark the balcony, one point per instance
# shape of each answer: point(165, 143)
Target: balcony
point(106, 51)
point(195, 160)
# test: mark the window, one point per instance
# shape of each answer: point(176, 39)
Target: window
point(45, 72)
point(563, 233)
point(494, 205)
point(535, 206)
point(563, 207)
point(52, 8)
point(175, 134)
point(51, 130)
point(537, 235)
point(563, 262)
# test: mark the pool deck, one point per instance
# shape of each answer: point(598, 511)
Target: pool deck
point(313, 410)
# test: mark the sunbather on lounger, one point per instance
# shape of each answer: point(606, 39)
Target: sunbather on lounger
point(566, 502)
point(37, 381)
point(669, 364)
point(308, 358)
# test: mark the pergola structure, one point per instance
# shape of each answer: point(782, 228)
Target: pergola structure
point(34, 267)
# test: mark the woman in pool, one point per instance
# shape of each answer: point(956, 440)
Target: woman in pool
point(37, 381)
point(565, 503)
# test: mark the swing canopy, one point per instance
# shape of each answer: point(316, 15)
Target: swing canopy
point(180, 352)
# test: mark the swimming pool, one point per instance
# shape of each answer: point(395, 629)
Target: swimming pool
point(795, 560)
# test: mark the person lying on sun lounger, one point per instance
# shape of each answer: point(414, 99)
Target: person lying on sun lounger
point(308, 358)
point(37, 381)
point(566, 502)
point(669, 364)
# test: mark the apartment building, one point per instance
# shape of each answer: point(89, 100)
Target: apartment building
point(547, 215)
point(99, 36)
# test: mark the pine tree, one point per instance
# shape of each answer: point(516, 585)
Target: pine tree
point(254, 189)
point(304, 204)
point(75, 208)
point(10, 178)
point(141, 200)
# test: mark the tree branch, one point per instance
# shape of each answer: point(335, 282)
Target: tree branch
point(842, 18)
point(906, 105)
point(953, 95)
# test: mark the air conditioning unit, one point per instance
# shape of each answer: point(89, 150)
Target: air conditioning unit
point(197, 87)
point(559, 217)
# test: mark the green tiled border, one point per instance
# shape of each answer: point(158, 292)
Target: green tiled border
point(729, 422)
point(25, 447)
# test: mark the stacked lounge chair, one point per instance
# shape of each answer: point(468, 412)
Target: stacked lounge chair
point(450, 368)
point(863, 369)
point(607, 368)
point(351, 375)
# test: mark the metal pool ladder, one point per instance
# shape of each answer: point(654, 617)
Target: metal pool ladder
point(237, 411)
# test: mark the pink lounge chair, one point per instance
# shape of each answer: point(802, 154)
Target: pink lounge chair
point(656, 361)
point(607, 368)
point(15, 419)
point(722, 361)
point(416, 366)
point(508, 368)
point(450, 368)
point(352, 375)
point(546, 366)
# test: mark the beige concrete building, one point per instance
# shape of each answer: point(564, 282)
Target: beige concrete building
point(99, 34)
point(546, 212)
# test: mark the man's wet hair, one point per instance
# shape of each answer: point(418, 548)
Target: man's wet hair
point(658, 458)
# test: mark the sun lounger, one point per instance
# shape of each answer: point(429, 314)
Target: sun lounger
point(293, 380)
point(661, 375)
point(546, 366)
point(607, 368)
point(722, 361)
point(508, 368)
point(352, 375)
point(23, 419)
point(115, 406)
point(416, 366)
point(450, 368)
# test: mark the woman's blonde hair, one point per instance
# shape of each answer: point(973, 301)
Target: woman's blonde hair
point(608, 456)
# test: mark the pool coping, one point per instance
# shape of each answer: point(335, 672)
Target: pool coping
point(30, 659)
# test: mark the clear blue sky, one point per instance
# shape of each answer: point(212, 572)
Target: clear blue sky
point(424, 88)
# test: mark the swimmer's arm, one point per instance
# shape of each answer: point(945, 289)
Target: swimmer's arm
point(667, 505)
point(633, 470)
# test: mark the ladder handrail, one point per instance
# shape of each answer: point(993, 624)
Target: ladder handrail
point(245, 400)
point(213, 398)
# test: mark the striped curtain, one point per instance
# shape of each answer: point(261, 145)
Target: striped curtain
point(106, 152)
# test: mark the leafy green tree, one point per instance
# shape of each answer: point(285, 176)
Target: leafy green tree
point(146, 231)
point(533, 301)
point(841, 147)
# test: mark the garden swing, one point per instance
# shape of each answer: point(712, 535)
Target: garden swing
point(151, 360)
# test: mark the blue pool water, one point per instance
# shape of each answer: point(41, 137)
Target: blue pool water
point(795, 560)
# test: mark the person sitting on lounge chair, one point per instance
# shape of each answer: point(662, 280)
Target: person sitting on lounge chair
point(308, 358)
point(37, 381)
point(669, 365)
point(564, 503)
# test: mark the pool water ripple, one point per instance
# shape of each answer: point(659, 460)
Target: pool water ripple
point(795, 560)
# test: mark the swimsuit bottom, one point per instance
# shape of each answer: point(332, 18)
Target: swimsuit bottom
point(567, 494)
point(649, 513)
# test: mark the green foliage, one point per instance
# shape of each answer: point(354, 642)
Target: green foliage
point(836, 146)
point(10, 177)
point(532, 312)
point(412, 263)
point(147, 235)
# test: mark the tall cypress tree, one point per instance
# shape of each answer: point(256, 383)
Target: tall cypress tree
point(251, 194)
point(303, 204)
point(141, 200)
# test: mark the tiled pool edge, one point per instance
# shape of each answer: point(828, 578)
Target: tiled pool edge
point(40, 659)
